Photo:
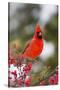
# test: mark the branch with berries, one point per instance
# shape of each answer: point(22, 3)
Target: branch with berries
point(20, 73)
point(45, 77)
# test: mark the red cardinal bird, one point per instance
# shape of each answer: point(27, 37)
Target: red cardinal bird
point(34, 47)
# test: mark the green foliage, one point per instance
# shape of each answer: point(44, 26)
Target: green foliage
point(40, 75)
point(52, 29)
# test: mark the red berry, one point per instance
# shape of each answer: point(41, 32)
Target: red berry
point(24, 68)
point(51, 80)
point(29, 66)
point(19, 81)
point(14, 73)
point(28, 81)
point(26, 72)
point(56, 79)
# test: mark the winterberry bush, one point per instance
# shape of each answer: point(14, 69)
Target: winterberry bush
point(20, 73)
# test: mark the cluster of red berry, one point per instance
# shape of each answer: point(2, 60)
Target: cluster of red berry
point(23, 78)
point(52, 80)
point(20, 74)
point(27, 68)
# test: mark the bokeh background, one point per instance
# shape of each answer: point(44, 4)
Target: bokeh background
point(22, 19)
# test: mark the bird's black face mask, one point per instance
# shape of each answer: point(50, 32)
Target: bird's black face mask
point(39, 35)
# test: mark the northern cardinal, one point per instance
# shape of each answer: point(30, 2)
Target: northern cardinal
point(34, 47)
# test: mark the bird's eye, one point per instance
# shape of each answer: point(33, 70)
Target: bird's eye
point(39, 35)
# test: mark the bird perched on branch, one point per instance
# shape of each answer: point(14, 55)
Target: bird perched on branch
point(33, 47)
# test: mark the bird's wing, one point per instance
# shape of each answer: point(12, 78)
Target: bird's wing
point(26, 46)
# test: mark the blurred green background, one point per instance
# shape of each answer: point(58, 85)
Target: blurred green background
point(22, 21)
